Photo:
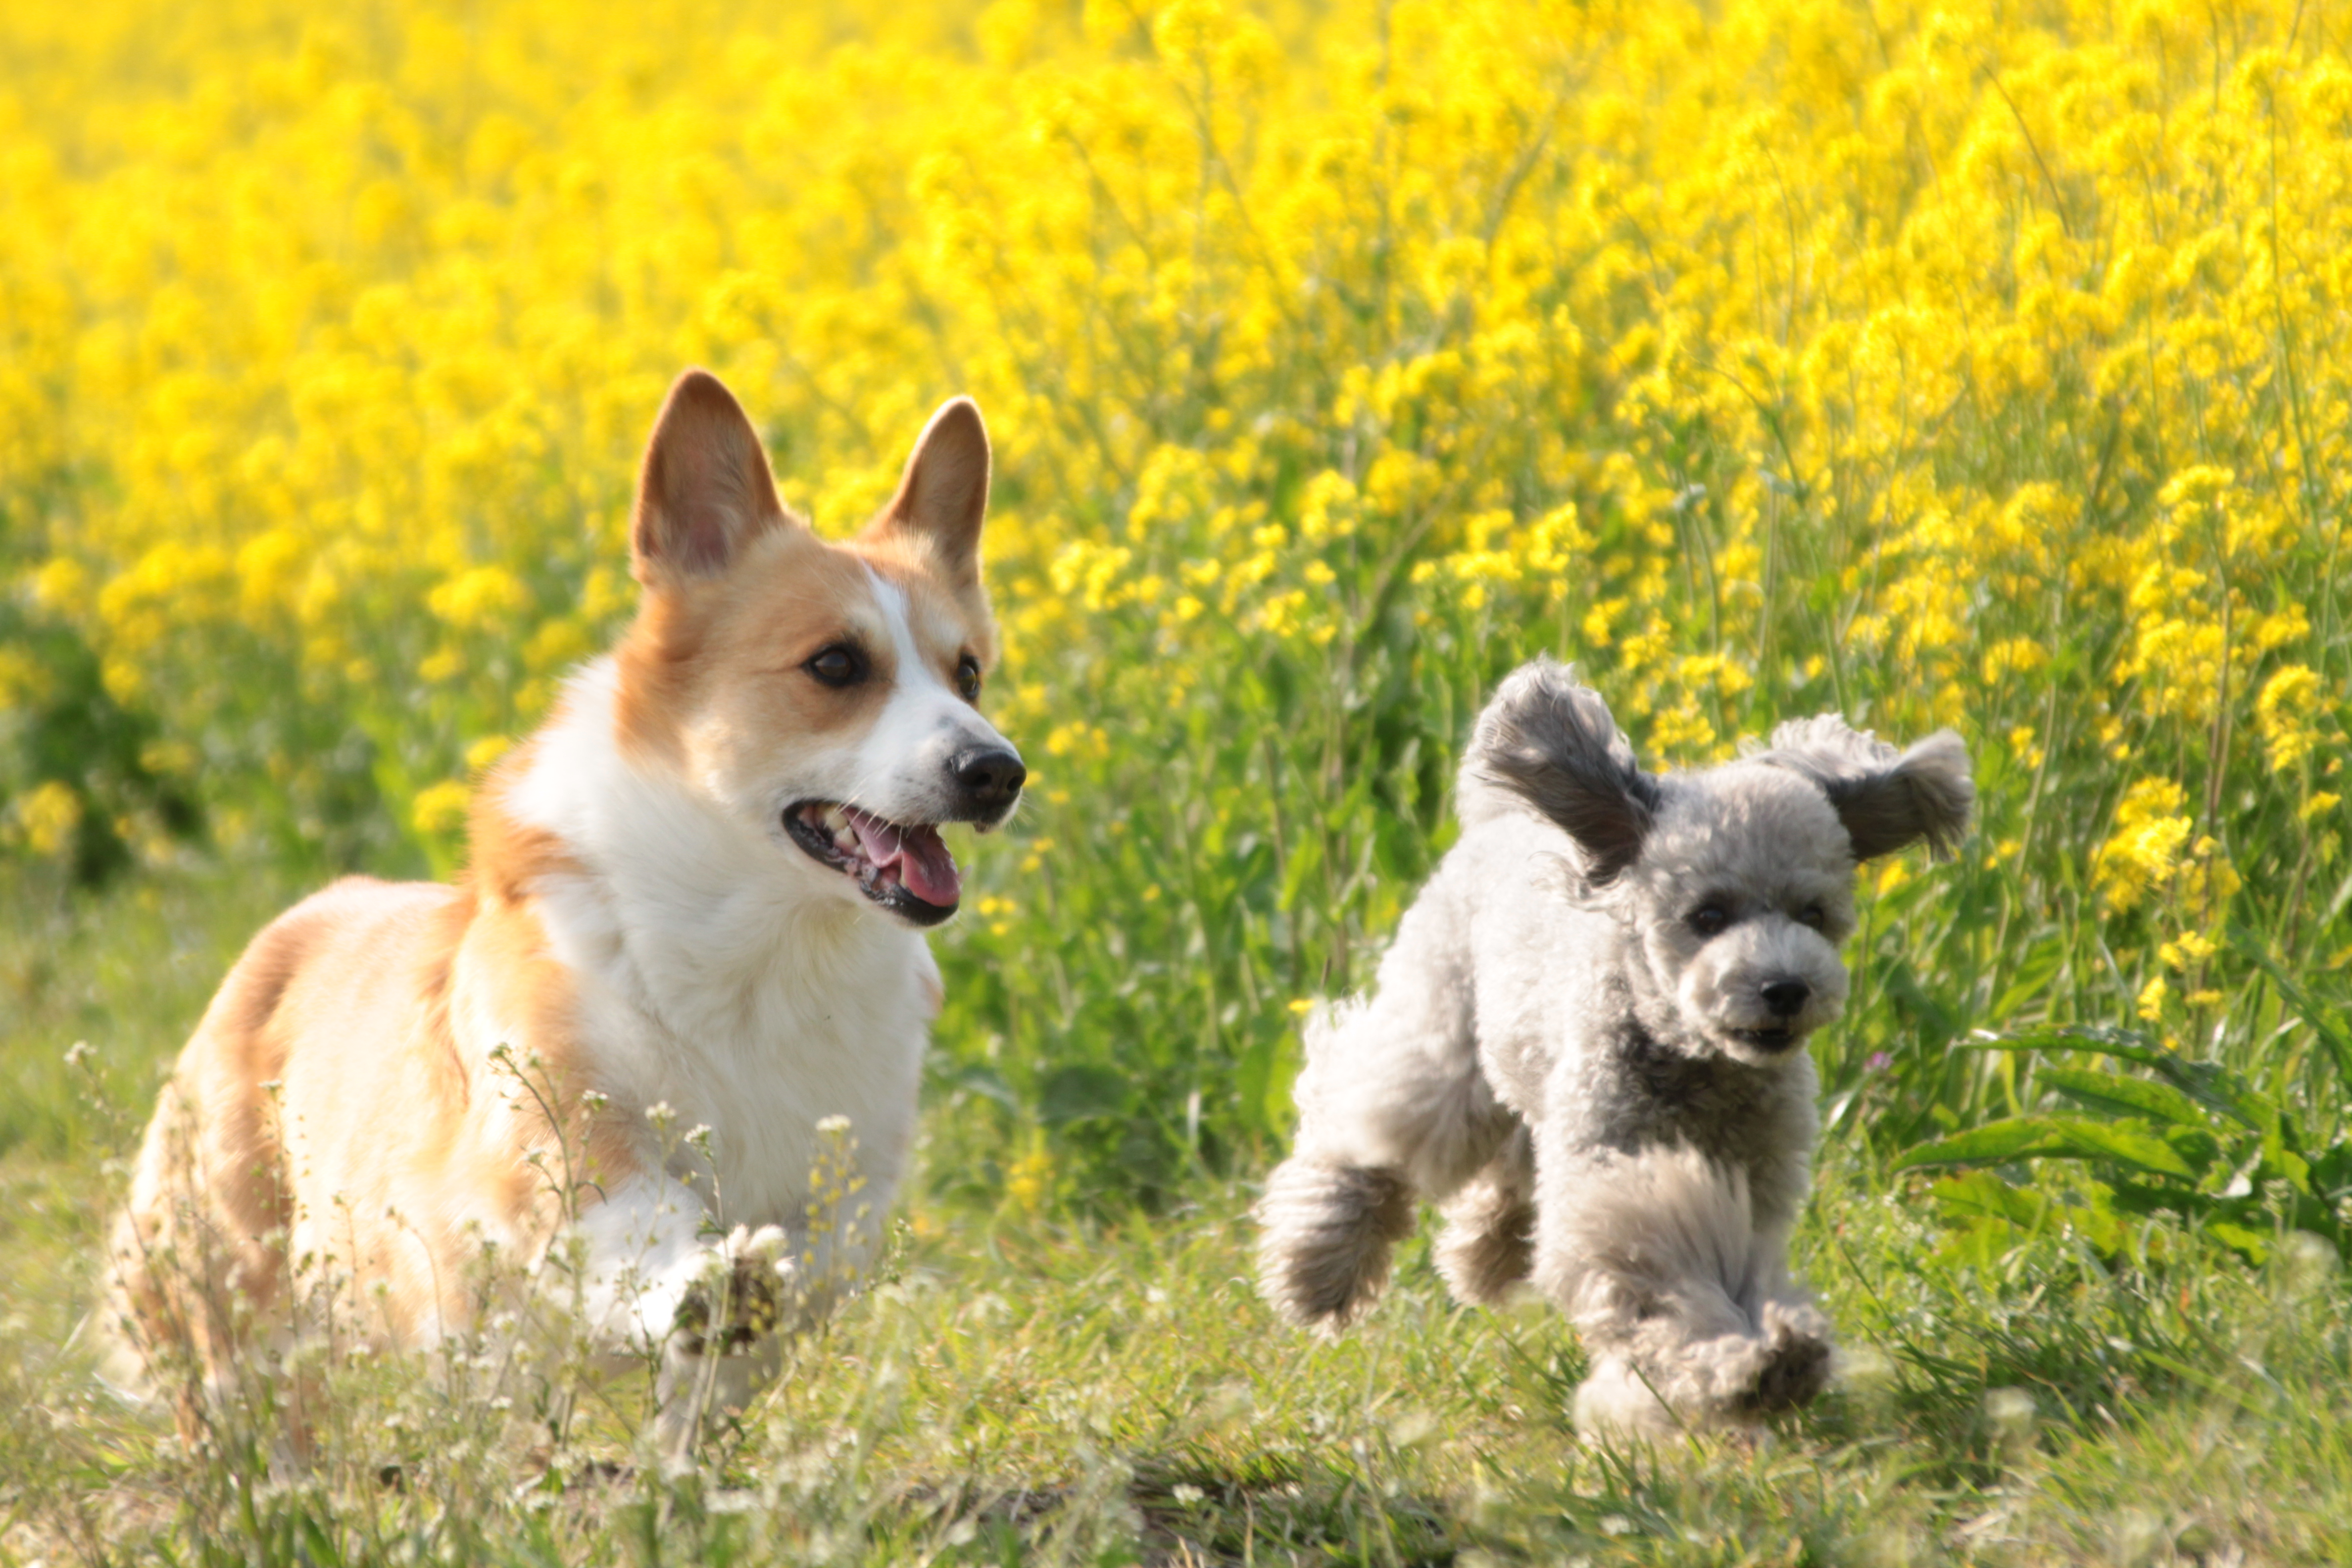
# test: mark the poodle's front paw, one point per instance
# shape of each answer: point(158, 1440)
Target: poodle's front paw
point(1326, 1232)
point(1797, 1367)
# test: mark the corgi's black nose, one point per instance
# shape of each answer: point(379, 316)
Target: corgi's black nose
point(1786, 996)
point(990, 778)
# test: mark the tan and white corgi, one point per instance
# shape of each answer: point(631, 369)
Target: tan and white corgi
point(699, 886)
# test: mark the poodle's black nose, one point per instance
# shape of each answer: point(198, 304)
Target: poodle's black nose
point(1785, 996)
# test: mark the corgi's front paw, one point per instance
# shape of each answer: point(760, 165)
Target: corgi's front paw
point(739, 1295)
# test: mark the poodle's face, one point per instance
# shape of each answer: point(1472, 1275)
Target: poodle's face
point(1738, 882)
point(1741, 894)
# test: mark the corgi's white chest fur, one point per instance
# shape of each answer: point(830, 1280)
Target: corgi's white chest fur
point(712, 978)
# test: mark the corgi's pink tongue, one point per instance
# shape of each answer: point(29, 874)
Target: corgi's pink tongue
point(925, 867)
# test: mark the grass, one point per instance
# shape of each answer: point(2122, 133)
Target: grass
point(1017, 1389)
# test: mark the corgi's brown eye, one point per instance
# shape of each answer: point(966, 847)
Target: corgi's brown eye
point(968, 677)
point(1814, 916)
point(1710, 920)
point(839, 665)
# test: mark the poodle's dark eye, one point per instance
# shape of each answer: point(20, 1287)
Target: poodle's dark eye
point(1710, 920)
point(839, 665)
point(968, 677)
point(1813, 915)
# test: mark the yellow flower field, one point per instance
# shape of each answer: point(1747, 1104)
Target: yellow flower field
point(1961, 363)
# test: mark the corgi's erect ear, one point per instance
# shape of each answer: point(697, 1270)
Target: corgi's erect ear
point(943, 496)
point(1549, 741)
point(705, 489)
point(1885, 798)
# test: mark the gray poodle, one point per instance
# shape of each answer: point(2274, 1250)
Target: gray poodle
point(1587, 1046)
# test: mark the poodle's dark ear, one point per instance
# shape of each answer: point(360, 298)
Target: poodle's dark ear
point(1551, 743)
point(1886, 798)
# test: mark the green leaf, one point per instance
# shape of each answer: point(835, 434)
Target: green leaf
point(2204, 1154)
point(2217, 1087)
point(2252, 1245)
point(1981, 1193)
point(2097, 1221)
point(1079, 1092)
point(2207, 1083)
point(2097, 1038)
point(2329, 1030)
point(2011, 1138)
point(2284, 1163)
point(2127, 1143)
point(2159, 1197)
point(983, 1079)
point(1305, 858)
point(2331, 1171)
point(321, 1550)
point(2033, 976)
point(1255, 1091)
point(1982, 1202)
point(2132, 1142)
point(2119, 1095)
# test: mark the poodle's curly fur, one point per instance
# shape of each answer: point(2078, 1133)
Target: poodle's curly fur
point(1586, 1045)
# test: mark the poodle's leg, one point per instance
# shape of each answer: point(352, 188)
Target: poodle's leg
point(1786, 1317)
point(1684, 1308)
point(1797, 1367)
point(1392, 1104)
point(1325, 1235)
point(1488, 1244)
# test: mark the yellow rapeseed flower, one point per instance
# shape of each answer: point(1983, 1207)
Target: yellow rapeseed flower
point(2145, 847)
point(2285, 714)
point(47, 816)
point(440, 808)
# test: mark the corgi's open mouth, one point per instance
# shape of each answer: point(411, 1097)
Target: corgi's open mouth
point(1768, 1039)
point(905, 867)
